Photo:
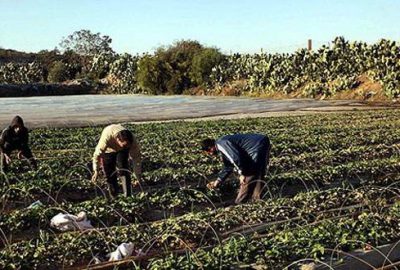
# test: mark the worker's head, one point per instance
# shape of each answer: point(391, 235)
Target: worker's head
point(17, 124)
point(208, 146)
point(124, 138)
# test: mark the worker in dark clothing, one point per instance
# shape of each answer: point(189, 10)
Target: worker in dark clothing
point(15, 137)
point(248, 154)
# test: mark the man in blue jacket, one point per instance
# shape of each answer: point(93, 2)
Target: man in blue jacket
point(248, 155)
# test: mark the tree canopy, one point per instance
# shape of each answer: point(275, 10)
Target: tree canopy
point(84, 42)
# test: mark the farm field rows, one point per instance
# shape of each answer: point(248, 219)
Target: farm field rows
point(333, 184)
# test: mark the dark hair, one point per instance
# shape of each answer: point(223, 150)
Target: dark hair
point(125, 135)
point(207, 144)
point(17, 121)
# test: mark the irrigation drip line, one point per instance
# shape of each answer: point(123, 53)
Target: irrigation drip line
point(389, 266)
point(63, 150)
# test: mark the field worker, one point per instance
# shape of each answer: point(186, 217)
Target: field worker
point(248, 154)
point(15, 137)
point(116, 147)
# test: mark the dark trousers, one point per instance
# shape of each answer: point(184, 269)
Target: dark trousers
point(253, 185)
point(116, 165)
point(25, 151)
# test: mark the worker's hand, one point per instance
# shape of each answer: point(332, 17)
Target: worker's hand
point(137, 182)
point(95, 176)
point(20, 156)
point(213, 184)
point(7, 159)
point(242, 179)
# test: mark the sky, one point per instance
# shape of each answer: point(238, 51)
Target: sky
point(137, 26)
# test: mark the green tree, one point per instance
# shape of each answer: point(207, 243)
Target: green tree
point(176, 68)
point(202, 65)
point(179, 58)
point(84, 42)
point(153, 74)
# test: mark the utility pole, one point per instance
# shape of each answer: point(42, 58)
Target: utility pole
point(310, 44)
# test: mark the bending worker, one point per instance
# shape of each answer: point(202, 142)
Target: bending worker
point(15, 137)
point(116, 147)
point(248, 154)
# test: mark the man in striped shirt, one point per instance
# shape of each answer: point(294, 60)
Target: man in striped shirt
point(116, 147)
point(248, 155)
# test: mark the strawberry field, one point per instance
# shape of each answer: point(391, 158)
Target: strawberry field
point(333, 185)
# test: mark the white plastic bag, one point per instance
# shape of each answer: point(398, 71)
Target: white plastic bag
point(68, 222)
point(124, 250)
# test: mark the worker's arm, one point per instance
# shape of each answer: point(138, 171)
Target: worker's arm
point(223, 174)
point(136, 157)
point(3, 139)
point(231, 152)
point(100, 149)
point(226, 171)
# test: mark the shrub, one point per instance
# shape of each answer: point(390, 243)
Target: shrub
point(202, 65)
point(58, 72)
point(169, 70)
point(152, 75)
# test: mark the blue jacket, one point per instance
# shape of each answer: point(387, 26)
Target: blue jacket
point(245, 153)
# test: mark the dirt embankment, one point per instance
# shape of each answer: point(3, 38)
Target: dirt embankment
point(367, 90)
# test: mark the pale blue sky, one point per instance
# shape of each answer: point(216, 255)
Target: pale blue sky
point(233, 26)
